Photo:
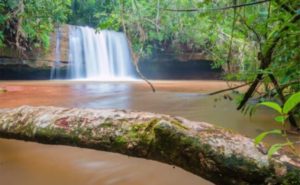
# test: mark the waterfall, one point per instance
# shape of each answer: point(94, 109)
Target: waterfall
point(55, 71)
point(98, 56)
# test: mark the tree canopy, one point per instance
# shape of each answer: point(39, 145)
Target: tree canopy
point(27, 23)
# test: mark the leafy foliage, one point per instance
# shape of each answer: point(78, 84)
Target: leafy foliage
point(289, 105)
point(255, 44)
point(274, 148)
point(29, 22)
point(272, 105)
point(248, 41)
point(91, 12)
point(262, 135)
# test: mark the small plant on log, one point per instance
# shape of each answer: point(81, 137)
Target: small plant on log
point(290, 104)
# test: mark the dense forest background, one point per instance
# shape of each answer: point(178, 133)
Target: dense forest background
point(254, 41)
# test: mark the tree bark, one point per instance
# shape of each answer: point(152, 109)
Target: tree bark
point(219, 155)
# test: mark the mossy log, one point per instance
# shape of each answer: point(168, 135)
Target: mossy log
point(219, 155)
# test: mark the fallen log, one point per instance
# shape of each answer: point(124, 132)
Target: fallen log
point(219, 155)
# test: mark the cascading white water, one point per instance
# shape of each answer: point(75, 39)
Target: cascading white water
point(98, 56)
point(55, 71)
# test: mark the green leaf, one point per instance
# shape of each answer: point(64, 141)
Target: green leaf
point(252, 18)
point(262, 135)
point(272, 105)
point(200, 5)
point(274, 148)
point(160, 37)
point(279, 119)
point(291, 103)
point(288, 24)
point(285, 79)
point(253, 110)
point(247, 110)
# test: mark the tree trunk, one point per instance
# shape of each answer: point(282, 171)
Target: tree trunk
point(266, 57)
point(292, 120)
point(219, 155)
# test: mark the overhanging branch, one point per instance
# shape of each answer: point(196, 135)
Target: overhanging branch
point(218, 8)
point(229, 89)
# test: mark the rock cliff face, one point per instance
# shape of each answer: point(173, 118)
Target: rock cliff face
point(46, 58)
point(38, 58)
point(178, 61)
point(171, 62)
point(176, 53)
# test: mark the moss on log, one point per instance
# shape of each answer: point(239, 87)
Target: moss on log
point(219, 155)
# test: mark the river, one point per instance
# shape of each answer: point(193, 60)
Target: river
point(29, 163)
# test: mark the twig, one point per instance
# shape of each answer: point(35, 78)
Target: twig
point(146, 19)
point(232, 88)
point(231, 40)
point(297, 142)
point(218, 8)
point(285, 7)
point(134, 56)
point(252, 29)
point(266, 60)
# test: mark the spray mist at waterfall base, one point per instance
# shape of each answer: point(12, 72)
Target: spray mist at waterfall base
point(106, 79)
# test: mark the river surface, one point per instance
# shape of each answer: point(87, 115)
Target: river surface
point(29, 163)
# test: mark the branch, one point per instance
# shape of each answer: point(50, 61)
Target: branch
point(272, 42)
point(285, 7)
point(219, 155)
point(229, 89)
point(231, 40)
point(152, 22)
point(267, 22)
point(251, 89)
point(288, 84)
point(252, 29)
point(219, 8)
point(267, 52)
point(134, 56)
point(283, 100)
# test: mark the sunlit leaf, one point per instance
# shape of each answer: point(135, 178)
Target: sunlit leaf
point(279, 118)
point(272, 105)
point(262, 135)
point(274, 148)
point(291, 103)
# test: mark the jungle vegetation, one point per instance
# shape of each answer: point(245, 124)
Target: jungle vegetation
point(254, 41)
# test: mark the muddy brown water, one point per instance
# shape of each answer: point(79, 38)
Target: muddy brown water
point(29, 163)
